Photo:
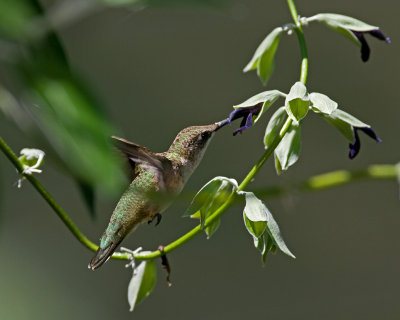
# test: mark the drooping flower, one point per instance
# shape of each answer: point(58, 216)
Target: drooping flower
point(246, 113)
point(356, 145)
point(351, 28)
point(365, 50)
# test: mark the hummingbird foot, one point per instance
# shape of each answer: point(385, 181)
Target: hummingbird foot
point(157, 216)
point(132, 253)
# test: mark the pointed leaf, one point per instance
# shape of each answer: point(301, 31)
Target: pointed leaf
point(254, 215)
point(274, 126)
point(142, 283)
point(278, 166)
point(267, 248)
point(322, 103)
point(345, 122)
point(343, 25)
point(297, 102)
point(338, 20)
point(211, 228)
point(288, 150)
point(265, 65)
point(268, 46)
point(275, 233)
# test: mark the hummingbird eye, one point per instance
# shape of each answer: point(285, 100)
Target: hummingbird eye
point(205, 135)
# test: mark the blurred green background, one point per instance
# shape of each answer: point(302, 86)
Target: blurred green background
point(160, 69)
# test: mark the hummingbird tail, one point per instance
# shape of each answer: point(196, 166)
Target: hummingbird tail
point(102, 255)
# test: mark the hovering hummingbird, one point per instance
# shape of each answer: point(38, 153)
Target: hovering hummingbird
point(152, 173)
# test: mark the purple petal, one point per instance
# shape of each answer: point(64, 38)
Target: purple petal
point(246, 123)
point(380, 35)
point(238, 113)
point(355, 146)
point(365, 51)
point(370, 133)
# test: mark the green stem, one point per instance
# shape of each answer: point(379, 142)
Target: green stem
point(50, 200)
point(302, 41)
point(315, 183)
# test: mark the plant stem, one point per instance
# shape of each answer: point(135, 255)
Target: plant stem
point(302, 41)
point(315, 183)
point(50, 200)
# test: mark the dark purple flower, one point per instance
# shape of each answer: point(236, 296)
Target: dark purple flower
point(247, 116)
point(356, 145)
point(365, 51)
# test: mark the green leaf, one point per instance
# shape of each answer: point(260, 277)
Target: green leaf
point(343, 24)
point(254, 215)
point(297, 102)
point(264, 244)
point(274, 126)
point(212, 227)
point(266, 63)
point(345, 122)
point(278, 166)
point(322, 103)
point(266, 97)
point(142, 283)
point(267, 247)
point(256, 212)
point(275, 233)
point(15, 17)
point(288, 150)
point(211, 196)
point(76, 130)
point(268, 47)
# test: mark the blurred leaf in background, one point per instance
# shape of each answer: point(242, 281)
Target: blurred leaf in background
point(53, 96)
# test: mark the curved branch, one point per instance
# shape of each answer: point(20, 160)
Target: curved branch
point(315, 183)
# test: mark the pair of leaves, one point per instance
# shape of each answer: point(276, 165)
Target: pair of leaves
point(142, 283)
point(210, 197)
point(343, 25)
point(297, 104)
point(263, 58)
point(262, 226)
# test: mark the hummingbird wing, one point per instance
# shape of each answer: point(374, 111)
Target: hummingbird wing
point(137, 154)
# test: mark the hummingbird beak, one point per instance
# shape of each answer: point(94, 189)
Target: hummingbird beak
point(222, 123)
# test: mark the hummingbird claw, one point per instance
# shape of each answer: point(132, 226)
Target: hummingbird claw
point(157, 216)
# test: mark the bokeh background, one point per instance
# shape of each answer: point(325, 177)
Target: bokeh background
point(160, 69)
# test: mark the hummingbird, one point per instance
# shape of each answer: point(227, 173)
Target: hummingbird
point(152, 174)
